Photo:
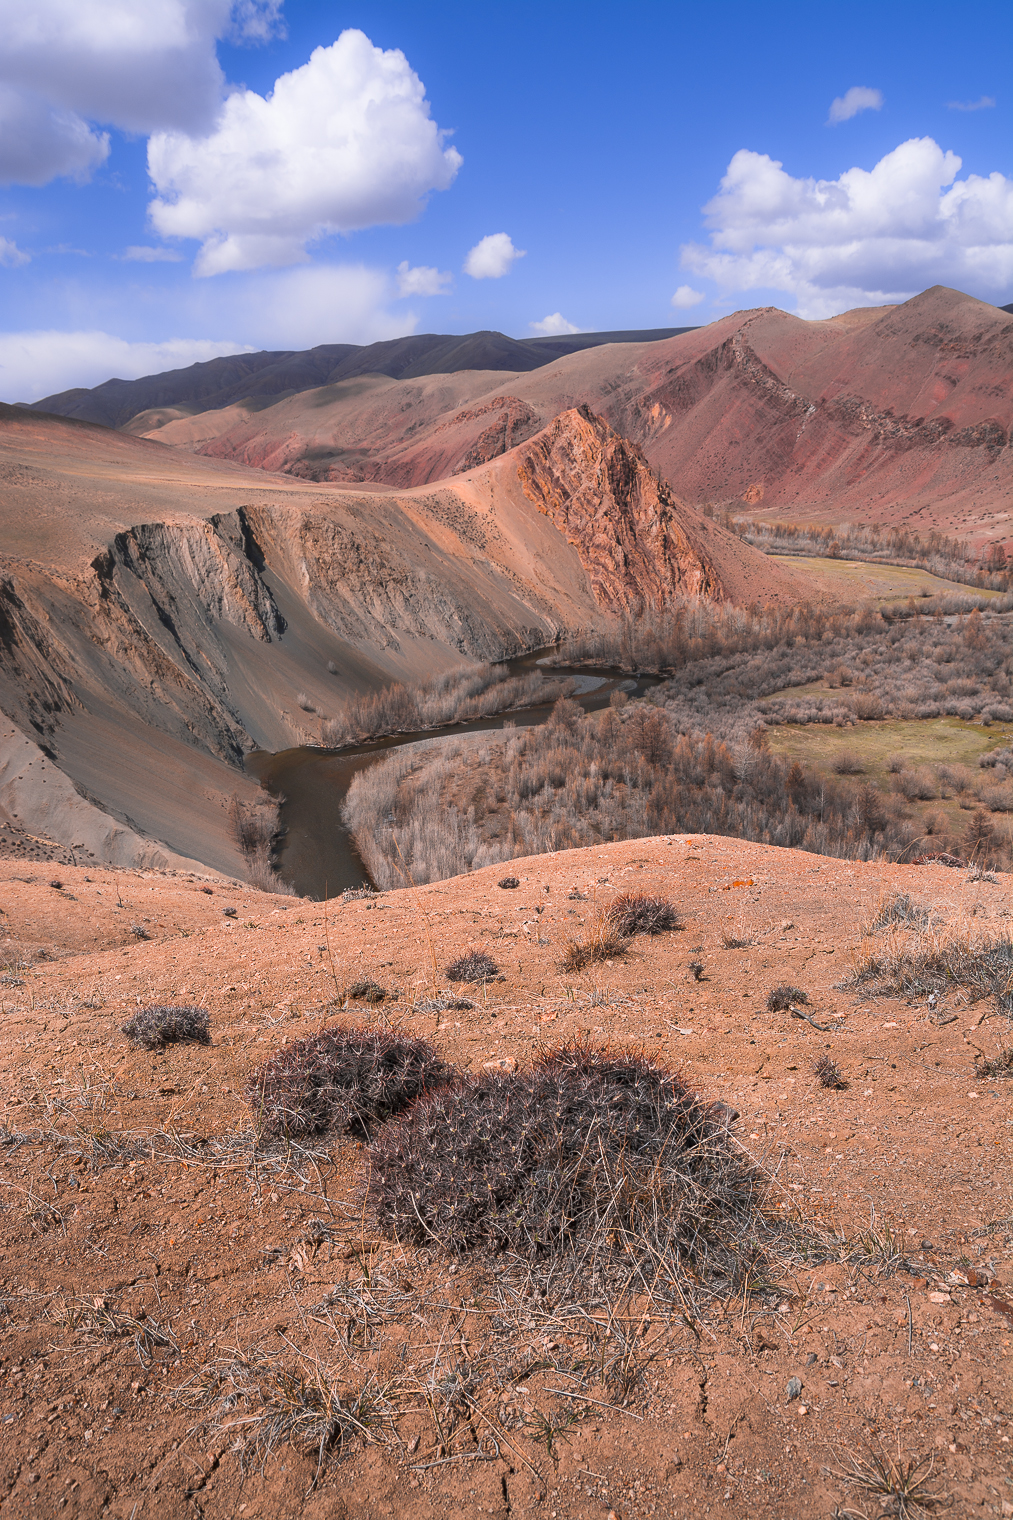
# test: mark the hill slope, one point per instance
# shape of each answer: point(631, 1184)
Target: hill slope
point(896, 415)
point(161, 614)
point(264, 377)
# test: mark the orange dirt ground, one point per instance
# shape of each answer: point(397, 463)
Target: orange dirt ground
point(108, 1234)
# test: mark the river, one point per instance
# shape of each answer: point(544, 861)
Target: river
point(317, 855)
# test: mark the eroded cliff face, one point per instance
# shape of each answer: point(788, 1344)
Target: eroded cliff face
point(624, 522)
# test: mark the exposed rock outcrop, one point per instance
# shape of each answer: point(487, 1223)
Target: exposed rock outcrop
point(623, 521)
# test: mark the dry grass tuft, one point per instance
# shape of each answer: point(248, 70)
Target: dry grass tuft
point(155, 1027)
point(476, 966)
point(900, 1483)
point(830, 1075)
point(343, 1079)
point(932, 963)
point(899, 911)
point(368, 992)
point(594, 1154)
point(997, 1067)
point(640, 913)
point(601, 944)
point(784, 995)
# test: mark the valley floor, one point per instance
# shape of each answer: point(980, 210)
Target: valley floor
point(146, 1248)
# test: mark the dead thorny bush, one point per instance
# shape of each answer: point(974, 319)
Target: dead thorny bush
point(640, 913)
point(474, 966)
point(829, 1074)
point(342, 1078)
point(784, 995)
point(367, 991)
point(155, 1027)
point(601, 943)
point(593, 1153)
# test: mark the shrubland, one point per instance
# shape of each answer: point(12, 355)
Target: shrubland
point(949, 558)
point(624, 773)
point(460, 696)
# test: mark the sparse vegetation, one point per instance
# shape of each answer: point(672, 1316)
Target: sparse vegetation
point(932, 964)
point(341, 1079)
point(784, 996)
point(139, 931)
point(829, 1074)
point(901, 1483)
point(460, 696)
point(475, 966)
point(254, 827)
point(995, 1067)
point(157, 1026)
point(508, 882)
point(592, 1152)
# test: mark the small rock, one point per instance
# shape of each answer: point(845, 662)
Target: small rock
point(505, 1063)
point(794, 1388)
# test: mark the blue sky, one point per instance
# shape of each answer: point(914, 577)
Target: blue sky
point(277, 173)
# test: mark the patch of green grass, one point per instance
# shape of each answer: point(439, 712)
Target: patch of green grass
point(854, 580)
point(924, 741)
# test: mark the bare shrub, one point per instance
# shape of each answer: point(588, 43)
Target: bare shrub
point(341, 1079)
point(475, 966)
point(155, 1027)
point(508, 882)
point(306, 703)
point(592, 1152)
point(896, 763)
point(640, 913)
point(919, 785)
point(847, 762)
point(139, 931)
point(783, 996)
point(254, 827)
point(829, 1074)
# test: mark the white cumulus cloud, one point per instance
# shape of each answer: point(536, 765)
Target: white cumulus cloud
point(11, 255)
point(273, 309)
point(858, 98)
point(867, 238)
point(344, 142)
point(553, 326)
point(142, 254)
point(40, 363)
point(493, 257)
point(686, 296)
point(422, 280)
point(67, 64)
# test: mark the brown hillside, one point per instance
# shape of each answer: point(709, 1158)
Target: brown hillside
point(169, 1292)
point(896, 415)
point(162, 614)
